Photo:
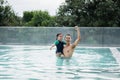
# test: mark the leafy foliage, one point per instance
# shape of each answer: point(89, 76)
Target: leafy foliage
point(7, 15)
point(38, 18)
point(89, 13)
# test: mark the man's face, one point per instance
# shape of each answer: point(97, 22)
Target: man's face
point(68, 38)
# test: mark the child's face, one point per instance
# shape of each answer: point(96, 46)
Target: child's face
point(60, 37)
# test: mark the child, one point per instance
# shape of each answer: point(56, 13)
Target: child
point(59, 45)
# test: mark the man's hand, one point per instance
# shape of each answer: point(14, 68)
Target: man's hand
point(76, 28)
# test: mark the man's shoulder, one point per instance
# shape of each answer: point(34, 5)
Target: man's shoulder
point(73, 46)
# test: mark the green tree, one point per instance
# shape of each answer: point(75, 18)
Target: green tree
point(7, 15)
point(89, 13)
point(38, 18)
point(70, 12)
point(27, 16)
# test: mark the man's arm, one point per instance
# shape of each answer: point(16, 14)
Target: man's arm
point(78, 37)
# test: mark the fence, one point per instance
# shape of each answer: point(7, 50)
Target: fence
point(90, 36)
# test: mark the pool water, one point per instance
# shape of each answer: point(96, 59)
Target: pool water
point(22, 62)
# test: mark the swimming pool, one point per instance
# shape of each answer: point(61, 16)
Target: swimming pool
point(22, 62)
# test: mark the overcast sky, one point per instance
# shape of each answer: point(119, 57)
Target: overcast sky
point(28, 5)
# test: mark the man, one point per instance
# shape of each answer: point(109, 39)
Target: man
point(69, 48)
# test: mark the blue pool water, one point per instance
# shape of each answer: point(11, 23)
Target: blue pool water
point(39, 63)
point(118, 49)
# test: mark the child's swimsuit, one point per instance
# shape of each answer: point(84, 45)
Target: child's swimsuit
point(60, 46)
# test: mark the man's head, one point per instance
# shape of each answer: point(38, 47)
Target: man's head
point(68, 38)
point(59, 36)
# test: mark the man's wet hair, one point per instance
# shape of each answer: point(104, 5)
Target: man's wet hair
point(67, 35)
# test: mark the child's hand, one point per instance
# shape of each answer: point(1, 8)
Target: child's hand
point(51, 48)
